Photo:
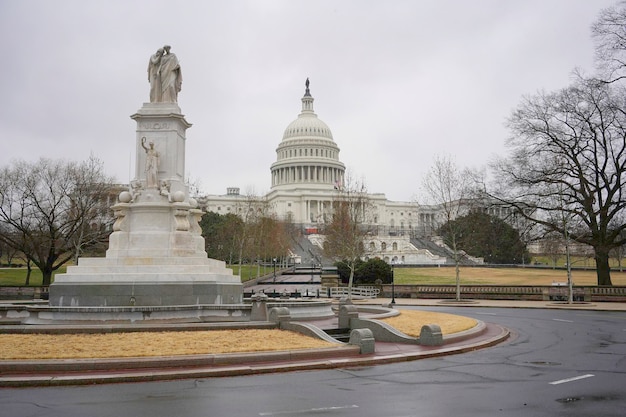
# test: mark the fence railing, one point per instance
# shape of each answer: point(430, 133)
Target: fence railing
point(494, 292)
point(357, 292)
point(507, 292)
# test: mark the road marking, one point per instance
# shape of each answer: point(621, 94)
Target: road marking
point(564, 321)
point(309, 410)
point(488, 314)
point(576, 378)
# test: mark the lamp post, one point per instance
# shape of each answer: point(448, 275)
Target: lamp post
point(274, 262)
point(393, 287)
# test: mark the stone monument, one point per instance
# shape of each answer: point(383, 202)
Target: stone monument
point(156, 253)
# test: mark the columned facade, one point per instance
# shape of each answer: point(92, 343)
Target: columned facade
point(307, 155)
point(308, 176)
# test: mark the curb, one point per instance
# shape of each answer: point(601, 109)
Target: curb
point(103, 371)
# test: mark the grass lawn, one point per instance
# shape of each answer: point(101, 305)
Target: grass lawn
point(499, 276)
point(419, 276)
point(17, 276)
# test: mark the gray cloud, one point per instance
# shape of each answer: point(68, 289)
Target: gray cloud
point(397, 82)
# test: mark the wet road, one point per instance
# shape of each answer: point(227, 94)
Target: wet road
point(558, 363)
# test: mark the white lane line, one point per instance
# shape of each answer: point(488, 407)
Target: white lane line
point(564, 321)
point(309, 410)
point(576, 378)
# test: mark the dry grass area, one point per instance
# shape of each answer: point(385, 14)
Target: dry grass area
point(500, 276)
point(410, 322)
point(138, 344)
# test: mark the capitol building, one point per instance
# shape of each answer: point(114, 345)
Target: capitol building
point(308, 176)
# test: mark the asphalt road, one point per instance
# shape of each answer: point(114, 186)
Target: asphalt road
point(558, 363)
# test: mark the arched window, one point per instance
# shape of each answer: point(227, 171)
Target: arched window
point(394, 246)
point(383, 246)
point(372, 246)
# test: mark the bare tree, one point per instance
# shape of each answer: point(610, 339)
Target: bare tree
point(449, 188)
point(6, 251)
point(609, 34)
point(351, 222)
point(568, 158)
point(551, 246)
point(52, 210)
point(618, 253)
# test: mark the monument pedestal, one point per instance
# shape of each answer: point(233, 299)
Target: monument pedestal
point(156, 253)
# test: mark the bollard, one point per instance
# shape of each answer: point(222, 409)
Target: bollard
point(259, 307)
point(364, 338)
point(347, 312)
point(431, 335)
point(279, 314)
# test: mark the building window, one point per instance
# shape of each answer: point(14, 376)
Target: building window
point(383, 246)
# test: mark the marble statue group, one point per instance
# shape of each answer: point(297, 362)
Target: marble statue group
point(165, 76)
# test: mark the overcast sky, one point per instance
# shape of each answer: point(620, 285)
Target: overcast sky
point(397, 82)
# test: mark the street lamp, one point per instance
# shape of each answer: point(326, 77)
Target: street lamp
point(393, 288)
point(274, 262)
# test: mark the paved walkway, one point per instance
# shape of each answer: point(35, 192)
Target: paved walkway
point(601, 306)
point(73, 372)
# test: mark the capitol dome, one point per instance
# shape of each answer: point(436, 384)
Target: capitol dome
point(307, 125)
point(307, 156)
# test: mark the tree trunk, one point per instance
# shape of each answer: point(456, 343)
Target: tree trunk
point(350, 280)
point(457, 271)
point(29, 269)
point(602, 267)
point(46, 276)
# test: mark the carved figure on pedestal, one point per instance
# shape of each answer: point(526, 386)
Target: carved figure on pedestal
point(154, 76)
point(152, 164)
point(165, 190)
point(165, 76)
point(171, 76)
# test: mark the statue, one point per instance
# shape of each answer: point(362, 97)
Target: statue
point(165, 76)
point(154, 76)
point(152, 164)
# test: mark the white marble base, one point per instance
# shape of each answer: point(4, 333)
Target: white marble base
point(156, 253)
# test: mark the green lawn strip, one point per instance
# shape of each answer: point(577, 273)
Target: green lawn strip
point(17, 276)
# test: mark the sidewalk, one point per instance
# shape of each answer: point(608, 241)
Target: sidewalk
point(600, 306)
